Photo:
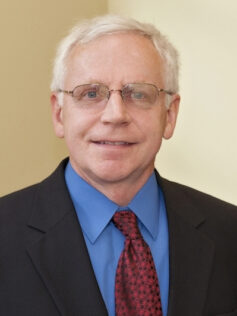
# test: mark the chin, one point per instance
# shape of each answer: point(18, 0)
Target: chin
point(113, 173)
point(112, 176)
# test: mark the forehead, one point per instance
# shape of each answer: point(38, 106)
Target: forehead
point(122, 57)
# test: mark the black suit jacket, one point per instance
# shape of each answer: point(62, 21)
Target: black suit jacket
point(45, 269)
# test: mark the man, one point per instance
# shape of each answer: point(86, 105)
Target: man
point(114, 98)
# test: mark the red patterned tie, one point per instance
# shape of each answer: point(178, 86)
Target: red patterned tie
point(137, 291)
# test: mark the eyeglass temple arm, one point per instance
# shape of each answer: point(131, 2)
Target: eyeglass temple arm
point(65, 91)
point(166, 91)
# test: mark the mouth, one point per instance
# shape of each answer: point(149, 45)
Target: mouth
point(113, 143)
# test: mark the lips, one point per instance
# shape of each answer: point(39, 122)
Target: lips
point(113, 143)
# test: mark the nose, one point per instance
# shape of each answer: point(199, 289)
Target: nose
point(115, 111)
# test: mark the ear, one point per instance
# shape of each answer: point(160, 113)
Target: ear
point(171, 116)
point(57, 115)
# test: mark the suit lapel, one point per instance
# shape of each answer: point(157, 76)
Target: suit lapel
point(60, 255)
point(191, 254)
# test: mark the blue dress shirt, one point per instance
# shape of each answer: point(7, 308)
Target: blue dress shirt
point(105, 242)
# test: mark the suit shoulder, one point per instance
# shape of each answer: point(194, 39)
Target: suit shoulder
point(17, 201)
point(19, 194)
point(206, 203)
point(215, 218)
point(24, 196)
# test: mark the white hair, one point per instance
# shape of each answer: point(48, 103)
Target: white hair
point(91, 29)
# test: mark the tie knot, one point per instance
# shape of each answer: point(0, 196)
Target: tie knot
point(126, 222)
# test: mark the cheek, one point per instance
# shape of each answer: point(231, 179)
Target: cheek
point(154, 130)
point(76, 125)
point(154, 126)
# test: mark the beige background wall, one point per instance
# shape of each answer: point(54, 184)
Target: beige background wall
point(203, 152)
point(29, 32)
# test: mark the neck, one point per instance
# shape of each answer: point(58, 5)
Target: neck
point(121, 195)
point(121, 191)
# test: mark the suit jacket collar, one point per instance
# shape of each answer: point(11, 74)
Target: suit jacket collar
point(60, 255)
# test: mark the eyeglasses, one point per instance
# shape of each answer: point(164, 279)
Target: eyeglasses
point(141, 95)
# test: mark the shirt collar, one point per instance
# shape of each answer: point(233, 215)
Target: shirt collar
point(95, 210)
point(145, 205)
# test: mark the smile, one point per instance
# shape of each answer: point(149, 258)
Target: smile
point(120, 143)
point(115, 143)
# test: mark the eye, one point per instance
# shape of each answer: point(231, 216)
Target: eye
point(90, 94)
point(138, 95)
point(135, 92)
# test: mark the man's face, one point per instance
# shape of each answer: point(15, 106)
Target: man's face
point(115, 143)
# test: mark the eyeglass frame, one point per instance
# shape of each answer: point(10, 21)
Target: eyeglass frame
point(70, 92)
